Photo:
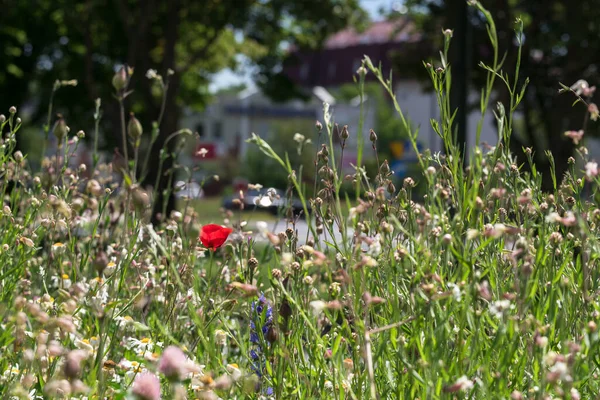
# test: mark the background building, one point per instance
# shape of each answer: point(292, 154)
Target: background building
point(230, 120)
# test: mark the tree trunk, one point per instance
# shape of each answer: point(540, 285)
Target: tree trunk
point(459, 60)
point(165, 198)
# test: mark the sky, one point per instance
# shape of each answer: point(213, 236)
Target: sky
point(227, 77)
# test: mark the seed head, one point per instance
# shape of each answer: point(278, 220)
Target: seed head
point(134, 128)
point(60, 130)
point(344, 133)
point(372, 136)
point(120, 79)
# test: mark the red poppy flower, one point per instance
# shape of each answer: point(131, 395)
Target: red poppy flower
point(213, 236)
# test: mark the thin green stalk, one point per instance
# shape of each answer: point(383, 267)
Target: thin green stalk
point(360, 136)
point(48, 121)
point(97, 116)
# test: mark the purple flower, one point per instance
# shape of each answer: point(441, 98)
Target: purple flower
point(146, 386)
point(261, 316)
point(173, 363)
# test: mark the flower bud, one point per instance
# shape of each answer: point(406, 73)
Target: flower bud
point(372, 136)
point(140, 198)
point(134, 128)
point(119, 80)
point(60, 130)
point(344, 133)
point(12, 110)
point(391, 188)
point(385, 168)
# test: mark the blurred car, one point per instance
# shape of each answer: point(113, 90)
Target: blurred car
point(272, 200)
point(185, 190)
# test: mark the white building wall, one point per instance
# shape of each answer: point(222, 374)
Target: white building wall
point(420, 106)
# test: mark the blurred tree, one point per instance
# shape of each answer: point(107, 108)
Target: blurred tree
point(44, 40)
point(560, 46)
point(281, 136)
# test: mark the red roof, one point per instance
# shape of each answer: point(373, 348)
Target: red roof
point(402, 30)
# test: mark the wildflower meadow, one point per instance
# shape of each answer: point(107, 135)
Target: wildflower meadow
point(464, 281)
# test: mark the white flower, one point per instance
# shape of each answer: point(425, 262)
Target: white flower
point(317, 306)
point(472, 234)
point(579, 87)
point(375, 247)
point(263, 201)
point(464, 383)
point(124, 321)
point(66, 282)
point(202, 152)
point(287, 258)
point(455, 291)
point(299, 138)
point(497, 308)
point(84, 344)
point(591, 170)
point(58, 248)
point(262, 227)
point(234, 370)
point(561, 369)
point(553, 217)
point(151, 74)
point(352, 213)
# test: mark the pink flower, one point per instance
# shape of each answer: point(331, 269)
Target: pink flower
point(173, 363)
point(593, 110)
point(569, 219)
point(588, 91)
point(591, 170)
point(575, 136)
point(146, 386)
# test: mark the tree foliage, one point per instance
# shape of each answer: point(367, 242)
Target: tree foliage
point(559, 46)
point(66, 39)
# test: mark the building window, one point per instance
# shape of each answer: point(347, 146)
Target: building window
point(217, 130)
point(200, 130)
